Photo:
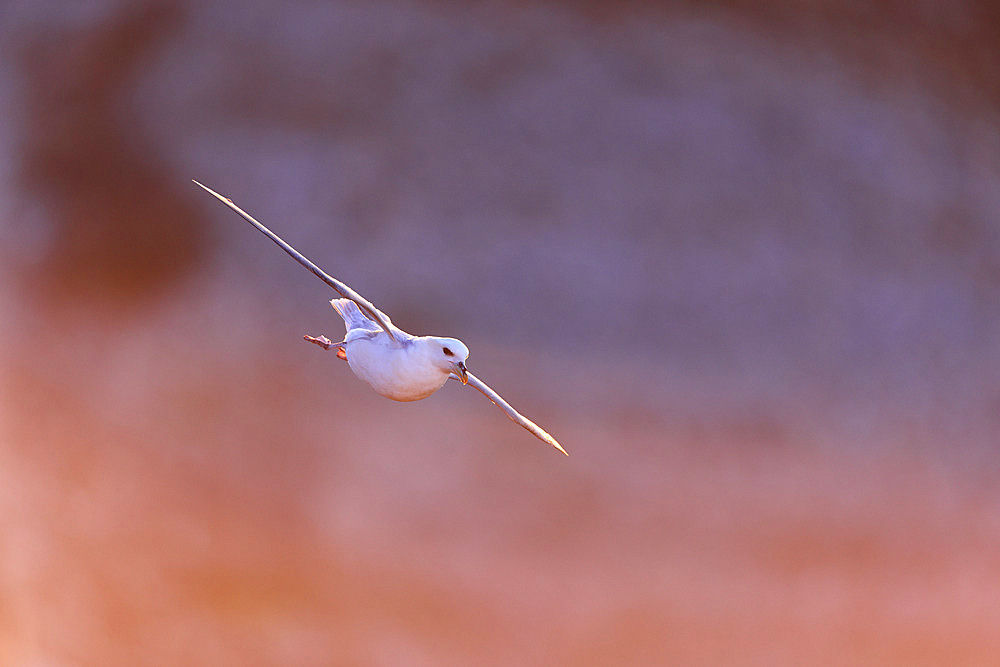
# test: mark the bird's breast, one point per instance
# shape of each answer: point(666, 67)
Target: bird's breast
point(394, 372)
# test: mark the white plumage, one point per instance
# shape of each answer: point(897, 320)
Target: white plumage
point(408, 370)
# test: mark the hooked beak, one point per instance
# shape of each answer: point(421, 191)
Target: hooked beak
point(461, 372)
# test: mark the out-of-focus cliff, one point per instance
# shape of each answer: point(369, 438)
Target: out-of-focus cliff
point(742, 259)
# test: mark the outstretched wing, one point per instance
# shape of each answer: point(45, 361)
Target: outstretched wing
point(339, 287)
point(514, 415)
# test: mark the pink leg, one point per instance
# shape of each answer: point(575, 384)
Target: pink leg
point(327, 344)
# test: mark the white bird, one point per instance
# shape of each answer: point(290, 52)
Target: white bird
point(395, 364)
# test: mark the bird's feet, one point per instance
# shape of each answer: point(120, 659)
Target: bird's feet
point(322, 341)
point(326, 344)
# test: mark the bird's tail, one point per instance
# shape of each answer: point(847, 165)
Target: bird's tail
point(353, 317)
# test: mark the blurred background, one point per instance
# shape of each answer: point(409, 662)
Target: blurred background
point(741, 258)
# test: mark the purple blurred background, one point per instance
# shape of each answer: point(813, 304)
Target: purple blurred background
point(742, 259)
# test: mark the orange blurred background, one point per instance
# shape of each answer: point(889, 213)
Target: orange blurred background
point(741, 259)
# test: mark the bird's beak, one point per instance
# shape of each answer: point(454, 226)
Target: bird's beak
point(461, 372)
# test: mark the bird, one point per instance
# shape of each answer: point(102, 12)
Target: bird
point(394, 363)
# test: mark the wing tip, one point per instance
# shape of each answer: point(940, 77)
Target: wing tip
point(552, 441)
point(212, 192)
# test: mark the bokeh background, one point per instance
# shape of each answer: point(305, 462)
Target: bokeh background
point(741, 258)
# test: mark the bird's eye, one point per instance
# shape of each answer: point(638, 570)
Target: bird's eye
point(447, 352)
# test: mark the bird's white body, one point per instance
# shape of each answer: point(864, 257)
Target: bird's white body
point(402, 367)
point(400, 372)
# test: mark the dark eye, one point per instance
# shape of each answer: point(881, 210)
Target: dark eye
point(447, 352)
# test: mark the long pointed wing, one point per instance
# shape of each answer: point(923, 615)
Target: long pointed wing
point(339, 287)
point(514, 415)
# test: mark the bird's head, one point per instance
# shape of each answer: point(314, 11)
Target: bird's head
point(447, 354)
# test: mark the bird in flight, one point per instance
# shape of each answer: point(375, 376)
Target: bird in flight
point(395, 364)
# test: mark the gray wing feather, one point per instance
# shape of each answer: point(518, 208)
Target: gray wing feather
point(339, 287)
point(514, 415)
